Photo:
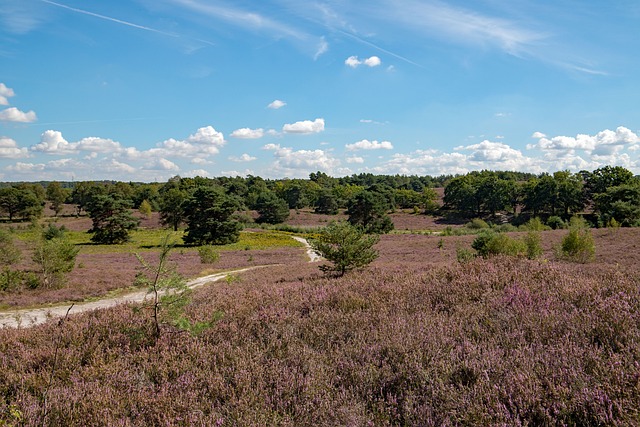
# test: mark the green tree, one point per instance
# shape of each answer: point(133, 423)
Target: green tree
point(620, 202)
point(570, 194)
point(345, 246)
point(112, 219)
point(57, 195)
point(54, 258)
point(326, 203)
point(272, 209)
point(145, 209)
point(209, 216)
point(9, 255)
point(461, 194)
point(368, 210)
point(599, 180)
point(172, 207)
point(9, 201)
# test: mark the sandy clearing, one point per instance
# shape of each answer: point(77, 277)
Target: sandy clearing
point(313, 256)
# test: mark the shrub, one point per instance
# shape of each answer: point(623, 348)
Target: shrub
point(54, 258)
point(208, 254)
point(534, 224)
point(346, 246)
point(464, 255)
point(578, 245)
point(533, 242)
point(556, 223)
point(477, 224)
point(53, 232)
point(489, 243)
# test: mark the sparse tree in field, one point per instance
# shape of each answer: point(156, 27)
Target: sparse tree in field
point(145, 209)
point(54, 258)
point(272, 209)
point(209, 218)
point(347, 247)
point(9, 255)
point(57, 196)
point(112, 219)
point(369, 211)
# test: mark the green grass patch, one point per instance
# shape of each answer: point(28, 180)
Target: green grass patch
point(150, 240)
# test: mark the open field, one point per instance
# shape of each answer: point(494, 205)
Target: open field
point(415, 339)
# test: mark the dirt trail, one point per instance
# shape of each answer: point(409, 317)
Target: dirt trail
point(36, 316)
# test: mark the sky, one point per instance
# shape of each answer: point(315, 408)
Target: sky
point(144, 90)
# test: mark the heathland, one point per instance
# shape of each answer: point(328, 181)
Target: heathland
point(425, 335)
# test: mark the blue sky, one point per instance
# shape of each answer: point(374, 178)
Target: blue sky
point(148, 89)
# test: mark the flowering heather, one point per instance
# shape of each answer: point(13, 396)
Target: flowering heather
point(502, 341)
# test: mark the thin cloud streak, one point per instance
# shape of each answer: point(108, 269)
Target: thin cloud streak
point(120, 21)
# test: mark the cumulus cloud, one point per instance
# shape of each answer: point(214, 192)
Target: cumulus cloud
point(538, 135)
point(20, 167)
point(243, 158)
point(52, 142)
point(365, 144)
point(9, 149)
point(5, 93)
point(246, 133)
point(298, 164)
point(14, 115)
point(604, 143)
point(354, 62)
point(277, 104)
point(304, 127)
point(164, 165)
point(355, 159)
point(205, 142)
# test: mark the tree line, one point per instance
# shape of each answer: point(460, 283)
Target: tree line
point(610, 194)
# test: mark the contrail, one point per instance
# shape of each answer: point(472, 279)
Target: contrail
point(118, 21)
point(95, 121)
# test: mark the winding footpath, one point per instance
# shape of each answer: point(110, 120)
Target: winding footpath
point(35, 316)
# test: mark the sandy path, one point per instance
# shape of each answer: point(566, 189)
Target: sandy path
point(36, 316)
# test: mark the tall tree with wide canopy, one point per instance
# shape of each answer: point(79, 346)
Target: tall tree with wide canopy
point(209, 217)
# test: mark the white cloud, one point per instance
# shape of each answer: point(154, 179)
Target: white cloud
point(197, 172)
point(305, 127)
point(243, 158)
point(298, 164)
point(365, 144)
point(234, 173)
point(9, 149)
point(205, 142)
point(14, 115)
point(164, 165)
point(116, 167)
point(277, 104)
point(322, 48)
point(354, 62)
point(246, 133)
point(538, 135)
point(355, 159)
point(52, 142)
point(25, 167)
point(5, 93)
point(604, 143)
point(373, 61)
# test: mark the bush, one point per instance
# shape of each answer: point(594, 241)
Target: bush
point(490, 243)
point(55, 258)
point(464, 255)
point(208, 254)
point(534, 224)
point(556, 223)
point(346, 246)
point(533, 242)
point(53, 232)
point(477, 224)
point(578, 246)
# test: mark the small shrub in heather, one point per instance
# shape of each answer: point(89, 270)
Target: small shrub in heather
point(477, 224)
point(533, 242)
point(556, 223)
point(490, 243)
point(208, 254)
point(578, 246)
